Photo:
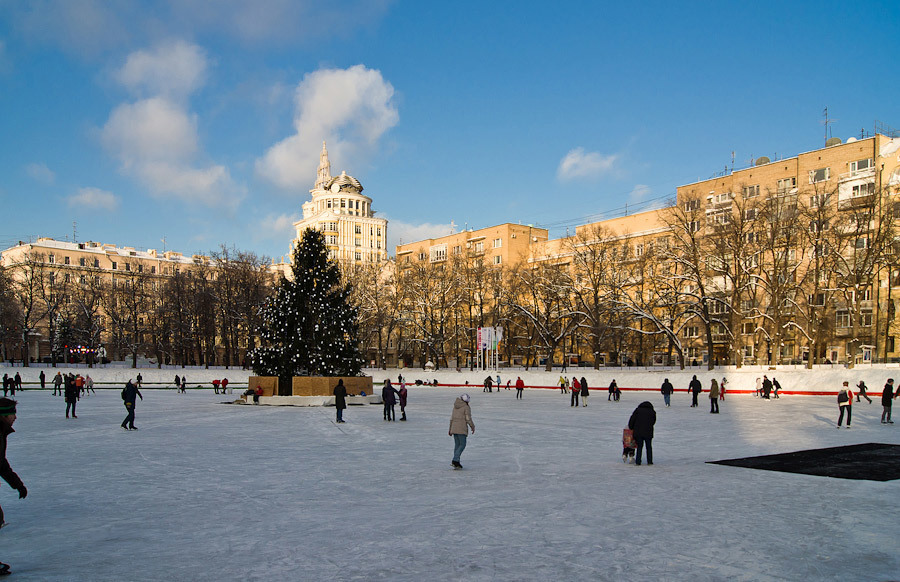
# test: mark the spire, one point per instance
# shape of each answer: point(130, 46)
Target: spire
point(323, 174)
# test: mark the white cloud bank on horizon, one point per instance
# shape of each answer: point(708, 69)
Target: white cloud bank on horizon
point(94, 198)
point(156, 138)
point(39, 172)
point(350, 108)
point(580, 164)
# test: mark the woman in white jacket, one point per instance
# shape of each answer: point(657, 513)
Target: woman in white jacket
point(460, 421)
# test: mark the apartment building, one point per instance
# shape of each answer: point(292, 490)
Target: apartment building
point(504, 244)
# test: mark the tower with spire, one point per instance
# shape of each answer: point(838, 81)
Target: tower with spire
point(323, 173)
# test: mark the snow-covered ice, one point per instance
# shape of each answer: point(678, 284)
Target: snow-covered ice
point(208, 491)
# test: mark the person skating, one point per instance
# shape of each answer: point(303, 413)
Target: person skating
point(584, 391)
point(862, 392)
point(389, 398)
point(72, 395)
point(887, 399)
point(488, 382)
point(667, 389)
point(695, 388)
point(340, 400)
point(845, 403)
point(140, 380)
point(612, 390)
point(404, 393)
point(766, 387)
point(713, 397)
point(43, 379)
point(128, 396)
point(177, 383)
point(89, 385)
point(184, 384)
point(520, 387)
point(57, 383)
point(641, 423)
point(758, 392)
point(722, 388)
point(460, 422)
point(7, 418)
point(576, 391)
point(18, 384)
point(562, 385)
point(776, 387)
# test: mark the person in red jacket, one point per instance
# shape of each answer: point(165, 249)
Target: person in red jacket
point(520, 386)
point(215, 384)
point(224, 384)
point(7, 418)
point(576, 390)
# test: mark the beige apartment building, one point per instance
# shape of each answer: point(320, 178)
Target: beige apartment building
point(338, 208)
point(504, 244)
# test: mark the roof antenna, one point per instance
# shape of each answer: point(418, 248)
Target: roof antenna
point(74, 231)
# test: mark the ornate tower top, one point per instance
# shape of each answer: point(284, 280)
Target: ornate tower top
point(323, 174)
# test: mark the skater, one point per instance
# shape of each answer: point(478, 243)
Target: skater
point(487, 385)
point(215, 384)
point(776, 387)
point(389, 397)
point(43, 378)
point(224, 385)
point(508, 383)
point(140, 380)
point(758, 392)
point(7, 418)
point(641, 422)
point(612, 390)
point(57, 382)
point(862, 392)
point(845, 402)
point(403, 395)
point(184, 384)
point(722, 388)
point(340, 400)
point(695, 388)
point(497, 384)
point(584, 391)
point(766, 387)
point(128, 396)
point(177, 382)
point(71, 395)
point(576, 391)
point(887, 399)
point(628, 445)
point(79, 384)
point(520, 387)
point(562, 384)
point(714, 397)
point(89, 385)
point(18, 379)
point(667, 389)
point(460, 422)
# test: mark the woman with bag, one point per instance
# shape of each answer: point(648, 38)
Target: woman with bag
point(845, 402)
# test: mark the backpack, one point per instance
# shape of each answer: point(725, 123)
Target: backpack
point(843, 397)
point(123, 394)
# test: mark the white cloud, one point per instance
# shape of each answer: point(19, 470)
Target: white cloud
point(639, 192)
point(40, 173)
point(173, 69)
point(404, 233)
point(580, 164)
point(94, 198)
point(152, 129)
point(350, 108)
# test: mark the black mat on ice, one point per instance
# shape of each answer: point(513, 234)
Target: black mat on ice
point(870, 461)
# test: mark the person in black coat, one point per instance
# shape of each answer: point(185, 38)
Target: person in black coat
point(612, 390)
point(887, 399)
point(767, 387)
point(389, 397)
point(340, 400)
point(7, 418)
point(695, 387)
point(667, 390)
point(43, 378)
point(129, 394)
point(641, 423)
point(71, 394)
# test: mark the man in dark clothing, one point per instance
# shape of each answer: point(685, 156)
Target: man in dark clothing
point(641, 423)
point(776, 386)
point(43, 378)
point(887, 399)
point(403, 395)
point(7, 418)
point(612, 390)
point(340, 400)
point(695, 387)
point(389, 397)
point(128, 395)
point(71, 394)
point(57, 382)
point(667, 390)
point(140, 379)
point(767, 387)
point(488, 382)
point(18, 383)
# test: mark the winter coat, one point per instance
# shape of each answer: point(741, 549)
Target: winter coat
point(612, 387)
point(403, 395)
point(520, 384)
point(584, 388)
point(695, 386)
point(887, 395)
point(388, 394)
point(576, 385)
point(5, 470)
point(57, 380)
point(713, 390)
point(642, 420)
point(849, 401)
point(72, 390)
point(461, 419)
point(130, 393)
point(340, 396)
point(667, 388)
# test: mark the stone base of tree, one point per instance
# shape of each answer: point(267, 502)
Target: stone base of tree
point(312, 400)
point(324, 386)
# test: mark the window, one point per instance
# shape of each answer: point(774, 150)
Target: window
point(692, 331)
point(127, 266)
point(691, 205)
point(749, 214)
point(718, 308)
point(457, 250)
point(865, 318)
point(890, 344)
point(818, 200)
point(331, 239)
point(140, 268)
point(152, 270)
point(96, 263)
point(861, 165)
point(693, 226)
point(818, 299)
point(115, 265)
point(357, 242)
point(67, 278)
point(357, 229)
point(862, 243)
point(51, 259)
point(479, 247)
point(81, 279)
point(842, 318)
point(497, 243)
point(421, 256)
point(750, 237)
point(747, 328)
point(639, 250)
point(66, 260)
point(438, 253)
point(819, 175)
point(498, 260)
point(52, 278)
point(785, 185)
point(357, 256)
point(719, 216)
point(81, 262)
point(818, 225)
point(750, 191)
point(867, 189)
point(748, 351)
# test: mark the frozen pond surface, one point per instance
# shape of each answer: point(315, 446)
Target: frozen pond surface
point(207, 491)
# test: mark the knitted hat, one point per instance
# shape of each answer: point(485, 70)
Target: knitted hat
point(464, 397)
point(7, 407)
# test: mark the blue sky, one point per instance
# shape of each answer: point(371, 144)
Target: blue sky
point(201, 122)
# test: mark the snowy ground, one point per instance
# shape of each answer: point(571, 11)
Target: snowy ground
point(208, 491)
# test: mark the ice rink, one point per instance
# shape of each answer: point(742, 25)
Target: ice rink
point(209, 491)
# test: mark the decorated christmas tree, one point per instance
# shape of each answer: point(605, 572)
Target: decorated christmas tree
point(309, 327)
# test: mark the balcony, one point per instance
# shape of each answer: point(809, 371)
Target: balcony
point(857, 174)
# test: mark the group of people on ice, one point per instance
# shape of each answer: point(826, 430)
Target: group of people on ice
point(846, 395)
